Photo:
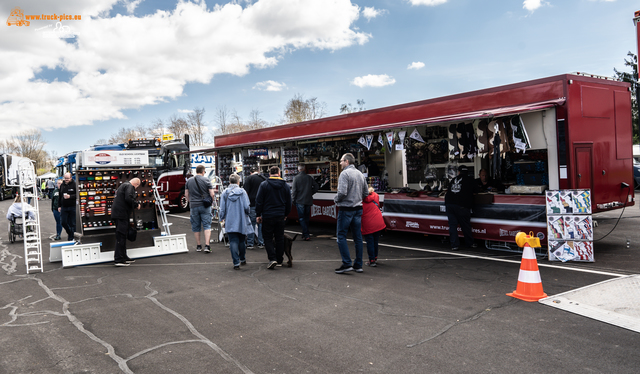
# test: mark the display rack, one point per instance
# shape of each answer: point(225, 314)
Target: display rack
point(334, 172)
point(290, 164)
point(96, 192)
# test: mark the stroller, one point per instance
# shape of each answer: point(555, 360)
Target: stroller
point(15, 228)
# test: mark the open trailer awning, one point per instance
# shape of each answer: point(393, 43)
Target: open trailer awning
point(287, 135)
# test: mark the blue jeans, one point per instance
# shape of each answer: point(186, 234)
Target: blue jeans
point(56, 215)
point(200, 216)
point(350, 219)
point(304, 215)
point(237, 247)
point(68, 218)
point(459, 215)
point(372, 245)
point(251, 237)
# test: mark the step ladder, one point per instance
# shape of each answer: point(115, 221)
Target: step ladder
point(160, 204)
point(30, 226)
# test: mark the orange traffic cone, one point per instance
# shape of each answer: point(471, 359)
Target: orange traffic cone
point(529, 283)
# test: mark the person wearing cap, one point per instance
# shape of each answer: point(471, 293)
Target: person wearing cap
point(458, 202)
point(251, 185)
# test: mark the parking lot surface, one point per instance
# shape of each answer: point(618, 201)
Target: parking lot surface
point(424, 309)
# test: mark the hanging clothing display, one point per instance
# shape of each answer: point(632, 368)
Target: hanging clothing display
point(471, 141)
point(483, 138)
point(453, 142)
point(520, 137)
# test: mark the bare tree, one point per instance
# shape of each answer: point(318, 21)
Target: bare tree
point(298, 109)
point(122, 136)
point(30, 144)
point(347, 108)
point(317, 109)
point(178, 126)
point(255, 122)
point(221, 119)
point(158, 127)
point(197, 126)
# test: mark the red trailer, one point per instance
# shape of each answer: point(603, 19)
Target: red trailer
point(580, 137)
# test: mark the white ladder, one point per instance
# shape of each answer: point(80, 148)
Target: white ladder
point(30, 227)
point(160, 204)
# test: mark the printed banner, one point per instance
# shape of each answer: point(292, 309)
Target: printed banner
point(390, 136)
point(415, 135)
point(362, 141)
point(569, 225)
point(369, 139)
point(381, 139)
point(402, 134)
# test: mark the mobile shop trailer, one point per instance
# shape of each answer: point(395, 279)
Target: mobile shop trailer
point(568, 131)
point(98, 175)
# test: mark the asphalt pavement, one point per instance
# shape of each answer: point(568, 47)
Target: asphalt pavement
point(424, 309)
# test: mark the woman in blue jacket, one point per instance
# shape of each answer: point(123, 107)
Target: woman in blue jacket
point(234, 215)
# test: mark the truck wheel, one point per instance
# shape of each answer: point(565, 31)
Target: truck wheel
point(1, 194)
point(183, 203)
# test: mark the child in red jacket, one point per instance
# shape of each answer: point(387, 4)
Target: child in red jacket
point(372, 225)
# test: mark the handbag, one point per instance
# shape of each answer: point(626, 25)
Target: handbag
point(207, 201)
point(132, 234)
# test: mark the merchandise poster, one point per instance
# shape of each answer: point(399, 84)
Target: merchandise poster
point(570, 225)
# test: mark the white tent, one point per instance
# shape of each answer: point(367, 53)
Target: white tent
point(48, 176)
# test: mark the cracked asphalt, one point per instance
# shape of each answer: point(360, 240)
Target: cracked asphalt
point(424, 309)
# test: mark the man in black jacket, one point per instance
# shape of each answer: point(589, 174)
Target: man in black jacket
point(273, 205)
point(302, 191)
point(123, 204)
point(67, 207)
point(251, 185)
point(458, 202)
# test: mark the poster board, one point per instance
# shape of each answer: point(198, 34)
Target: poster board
point(569, 225)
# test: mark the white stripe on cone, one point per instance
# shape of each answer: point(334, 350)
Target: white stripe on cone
point(528, 276)
point(528, 253)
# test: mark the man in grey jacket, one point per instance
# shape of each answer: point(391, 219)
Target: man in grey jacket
point(352, 188)
point(302, 191)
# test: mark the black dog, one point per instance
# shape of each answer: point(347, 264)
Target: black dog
point(288, 242)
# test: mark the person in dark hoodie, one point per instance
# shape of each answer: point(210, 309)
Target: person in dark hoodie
point(273, 205)
point(124, 202)
point(234, 214)
point(55, 204)
point(458, 202)
point(67, 205)
point(251, 185)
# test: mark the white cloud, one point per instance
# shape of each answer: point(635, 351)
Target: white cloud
point(427, 2)
point(531, 5)
point(269, 86)
point(131, 5)
point(373, 81)
point(127, 62)
point(185, 110)
point(416, 65)
point(371, 12)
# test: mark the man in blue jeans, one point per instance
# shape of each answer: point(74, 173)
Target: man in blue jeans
point(352, 188)
point(251, 185)
point(195, 190)
point(302, 191)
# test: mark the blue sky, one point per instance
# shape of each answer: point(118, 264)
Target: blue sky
point(131, 62)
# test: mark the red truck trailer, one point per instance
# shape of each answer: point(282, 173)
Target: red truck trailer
point(579, 136)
